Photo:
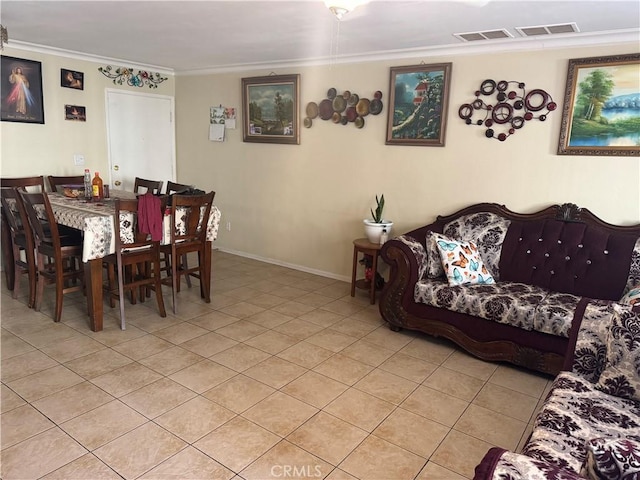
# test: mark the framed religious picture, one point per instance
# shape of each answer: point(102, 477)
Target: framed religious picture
point(75, 112)
point(601, 112)
point(418, 104)
point(21, 87)
point(71, 79)
point(270, 107)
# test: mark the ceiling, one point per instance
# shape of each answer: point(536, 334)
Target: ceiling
point(187, 36)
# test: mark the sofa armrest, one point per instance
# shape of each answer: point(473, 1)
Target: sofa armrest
point(500, 464)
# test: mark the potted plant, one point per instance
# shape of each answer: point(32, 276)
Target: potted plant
point(374, 227)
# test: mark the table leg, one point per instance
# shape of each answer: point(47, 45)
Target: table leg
point(374, 270)
point(93, 282)
point(353, 272)
point(7, 250)
point(205, 283)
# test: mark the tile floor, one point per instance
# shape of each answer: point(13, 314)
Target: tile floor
point(283, 375)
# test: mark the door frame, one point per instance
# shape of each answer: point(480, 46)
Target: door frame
point(109, 91)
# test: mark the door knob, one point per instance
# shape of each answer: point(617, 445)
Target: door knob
point(116, 168)
point(118, 183)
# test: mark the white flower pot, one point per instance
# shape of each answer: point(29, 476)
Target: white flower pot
point(373, 230)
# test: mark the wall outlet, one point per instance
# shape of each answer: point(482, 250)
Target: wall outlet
point(228, 226)
point(78, 159)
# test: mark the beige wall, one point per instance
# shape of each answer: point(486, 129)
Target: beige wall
point(33, 149)
point(303, 205)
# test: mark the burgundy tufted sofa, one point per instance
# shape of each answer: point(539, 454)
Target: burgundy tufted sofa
point(547, 266)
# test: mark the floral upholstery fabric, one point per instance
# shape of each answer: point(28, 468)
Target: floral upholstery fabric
point(434, 262)
point(487, 230)
point(590, 354)
point(418, 251)
point(612, 459)
point(516, 466)
point(634, 272)
point(461, 261)
point(517, 304)
point(621, 375)
point(575, 412)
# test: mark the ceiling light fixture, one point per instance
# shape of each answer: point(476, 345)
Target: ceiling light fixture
point(341, 7)
point(4, 36)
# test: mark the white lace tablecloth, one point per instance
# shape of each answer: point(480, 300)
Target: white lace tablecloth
point(96, 221)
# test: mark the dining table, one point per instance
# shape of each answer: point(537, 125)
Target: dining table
point(96, 220)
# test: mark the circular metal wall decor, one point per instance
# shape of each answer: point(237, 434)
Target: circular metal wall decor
point(512, 108)
point(344, 108)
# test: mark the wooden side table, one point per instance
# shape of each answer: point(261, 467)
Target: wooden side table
point(364, 246)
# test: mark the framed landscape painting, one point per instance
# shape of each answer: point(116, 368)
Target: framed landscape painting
point(270, 106)
point(419, 99)
point(21, 87)
point(601, 113)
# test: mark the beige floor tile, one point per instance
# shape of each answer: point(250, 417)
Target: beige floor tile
point(524, 439)
point(408, 367)
point(464, 363)
point(239, 393)
point(375, 459)
point(412, 432)
point(429, 349)
point(103, 424)
point(368, 353)
point(435, 405)
point(265, 300)
point(73, 401)
point(158, 397)
point(331, 340)
point(352, 327)
point(86, 467)
point(72, 348)
point(275, 372)
point(272, 342)
point(180, 333)
point(237, 443)
point(126, 379)
point(338, 474)
point(213, 320)
point(454, 383)
point(171, 360)
point(506, 401)
point(298, 328)
point(343, 369)
point(291, 293)
point(51, 334)
point(209, 344)
point(45, 382)
point(492, 427)
point(243, 293)
point(111, 333)
point(328, 437)
point(142, 347)
point(383, 336)
point(240, 357)
point(433, 471)
point(293, 309)
point(139, 450)
point(22, 423)
point(386, 386)
point(13, 345)
point(52, 448)
point(241, 310)
point(241, 330)
point(305, 354)
point(188, 464)
point(280, 413)
point(203, 376)
point(360, 409)
point(323, 318)
point(269, 318)
point(340, 307)
point(25, 364)
point(98, 363)
point(9, 399)
point(460, 453)
point(520, 380)
point(286, 460)
point(314, 389)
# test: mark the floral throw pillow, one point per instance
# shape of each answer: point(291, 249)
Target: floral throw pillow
point(461, 261)
point(621, 375)
point(632, 297)
point(612, 459)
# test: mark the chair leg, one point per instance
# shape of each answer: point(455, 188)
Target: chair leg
point(174, 281)
point(158, 289)
point(60, 286)
point(111, 280)
point(39, 283)
point(16, 272)
point(185, 265)
point(121, 296)
point(33, 276)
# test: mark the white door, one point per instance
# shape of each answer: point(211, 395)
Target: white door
point(141, 138)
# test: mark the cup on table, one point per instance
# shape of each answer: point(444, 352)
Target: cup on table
point(106, 191)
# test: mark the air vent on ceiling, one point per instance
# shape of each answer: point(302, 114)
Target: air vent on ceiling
point(486, 35)
point(538, 30)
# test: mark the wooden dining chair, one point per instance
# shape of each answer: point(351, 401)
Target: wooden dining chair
point(59, 259)
point(173, 188)
point(55, 182)
point(133, 249)
point(189, 218)
point(152, 186)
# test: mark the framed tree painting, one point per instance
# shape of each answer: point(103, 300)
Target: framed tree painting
point(270, 106)
point(601, 112)
point(419, 99)
point(21, 87)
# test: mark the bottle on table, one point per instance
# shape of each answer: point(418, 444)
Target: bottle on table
point(97, 190)
point(384, 236)
point(88, 187)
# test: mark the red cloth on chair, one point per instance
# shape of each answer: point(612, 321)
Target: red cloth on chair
point(150, 216)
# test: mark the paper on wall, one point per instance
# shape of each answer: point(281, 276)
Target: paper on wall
point(216, 132)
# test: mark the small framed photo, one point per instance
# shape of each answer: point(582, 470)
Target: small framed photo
point(21, 87)
point(270, 106)
point(601, 114)
point(75, 113)
point(419, 100)
point(71, 79)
